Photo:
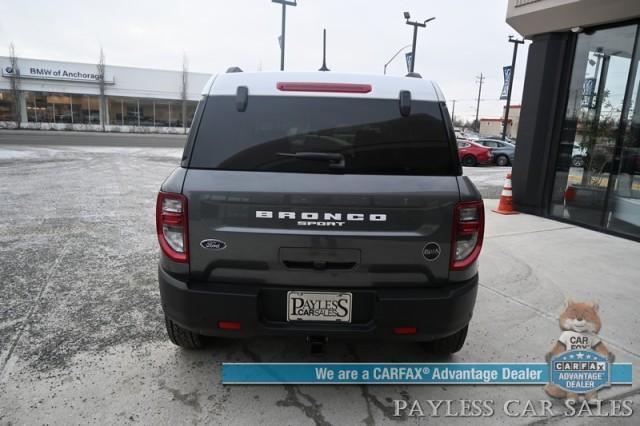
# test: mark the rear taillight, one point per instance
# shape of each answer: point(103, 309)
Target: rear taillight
point(468, 232)
point(171, 225)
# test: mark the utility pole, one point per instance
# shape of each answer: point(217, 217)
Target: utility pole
point(479, 80)
point(284, 4)
point(515, 42)
point(415, 25)
point(324, 51)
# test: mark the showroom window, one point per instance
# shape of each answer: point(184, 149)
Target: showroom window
point(146, 112)
point(190, 112)
point(597, 177)
point(86, 109)
point(6, 106)
point(149, 112)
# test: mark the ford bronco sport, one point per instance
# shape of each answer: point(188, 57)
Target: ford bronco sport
point(320, 205)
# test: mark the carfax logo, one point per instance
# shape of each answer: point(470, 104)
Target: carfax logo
point(580, 371)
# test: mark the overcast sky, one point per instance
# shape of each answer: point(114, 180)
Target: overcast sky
point(467, 37)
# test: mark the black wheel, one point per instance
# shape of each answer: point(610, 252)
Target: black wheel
point(469, 161)
point(183, 338)
point(577, 161)
point(447, 345)
point(502, 160)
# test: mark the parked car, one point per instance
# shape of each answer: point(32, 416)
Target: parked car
point(503, 152)
point(472, 154)
point(512, 141)
point(319, 205)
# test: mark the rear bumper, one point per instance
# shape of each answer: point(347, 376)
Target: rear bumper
point(261, 310)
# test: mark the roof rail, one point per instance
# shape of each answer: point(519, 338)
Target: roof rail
point(233, 69)
point(414, 74)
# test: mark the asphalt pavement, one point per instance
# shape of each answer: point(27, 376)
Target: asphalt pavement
point(82, 337)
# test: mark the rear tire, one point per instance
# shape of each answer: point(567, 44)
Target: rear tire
point(469, 161)
point(502, 160)
point(447, 345)
point(183, 338)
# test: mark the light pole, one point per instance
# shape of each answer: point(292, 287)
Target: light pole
point(284, 4)
point(415, 25)
point(480, 80)
point(394, 56)
point(515, 42)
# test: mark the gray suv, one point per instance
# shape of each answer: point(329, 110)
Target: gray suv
point(319, 205)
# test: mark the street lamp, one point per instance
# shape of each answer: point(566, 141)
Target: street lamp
point(415, 25)
point(284, 4)
point(394, 56)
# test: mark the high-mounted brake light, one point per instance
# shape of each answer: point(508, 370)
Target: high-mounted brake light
point(171, 226)
point(468, 233)
point(323, 87)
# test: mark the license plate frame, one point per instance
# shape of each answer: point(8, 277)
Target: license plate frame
point(322, 297)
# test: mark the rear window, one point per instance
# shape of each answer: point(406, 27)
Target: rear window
point(369, 134)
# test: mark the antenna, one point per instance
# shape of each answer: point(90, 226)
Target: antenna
point(324, 51)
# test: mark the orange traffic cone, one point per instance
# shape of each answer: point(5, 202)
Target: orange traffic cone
point(506, 198)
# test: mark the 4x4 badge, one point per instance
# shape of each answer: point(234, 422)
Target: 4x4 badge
point(212, 244)
point(431, 251)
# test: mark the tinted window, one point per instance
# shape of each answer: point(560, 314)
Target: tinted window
point(370, 134)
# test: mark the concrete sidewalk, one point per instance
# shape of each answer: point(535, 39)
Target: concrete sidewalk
point(83, 337)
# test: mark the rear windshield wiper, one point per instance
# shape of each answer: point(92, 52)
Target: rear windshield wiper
point(336, 160)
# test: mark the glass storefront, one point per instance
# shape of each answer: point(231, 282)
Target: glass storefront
point(6, 105)
point(597, 177)
point(62, 108)
point(45, 107)
point(148, 112)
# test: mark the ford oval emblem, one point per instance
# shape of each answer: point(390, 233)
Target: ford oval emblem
point(212, 244)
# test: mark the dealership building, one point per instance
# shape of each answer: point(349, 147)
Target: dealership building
point(578, 150)
point(66, 96)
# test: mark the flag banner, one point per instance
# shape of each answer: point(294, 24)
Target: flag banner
point(507, 78)
point(409, 58)
point(401, 373)
point(588, 92)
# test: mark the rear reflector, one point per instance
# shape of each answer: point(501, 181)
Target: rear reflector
point(405, 330)
point(324, 87)
point(229, 325)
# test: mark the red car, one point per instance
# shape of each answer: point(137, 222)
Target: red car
point(471, 154)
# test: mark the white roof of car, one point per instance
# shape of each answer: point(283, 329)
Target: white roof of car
point(265, 83)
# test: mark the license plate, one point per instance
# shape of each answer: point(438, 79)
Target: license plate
point(314, 306)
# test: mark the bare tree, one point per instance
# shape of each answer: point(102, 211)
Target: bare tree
point(15, 84)
point(101, 83)
point(183, 90)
